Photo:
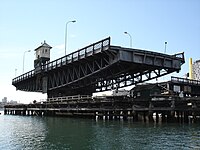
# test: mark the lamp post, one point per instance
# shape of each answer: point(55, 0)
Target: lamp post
point(73, 21)
point(165, 46)
point(130, 38)
point(24, 58)
point(15, 72)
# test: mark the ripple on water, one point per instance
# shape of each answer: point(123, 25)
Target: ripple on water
point(23, 132)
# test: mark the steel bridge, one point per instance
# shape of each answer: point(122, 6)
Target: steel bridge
point(97, 67)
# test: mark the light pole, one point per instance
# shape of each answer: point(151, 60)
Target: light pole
point(15, 72)
point(130, 38)
point(24, 58)
point(165, 46)
point(73, 21)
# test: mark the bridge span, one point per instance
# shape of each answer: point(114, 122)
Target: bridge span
point(97, 67)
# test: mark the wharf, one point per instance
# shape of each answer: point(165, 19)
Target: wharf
point(154, 109)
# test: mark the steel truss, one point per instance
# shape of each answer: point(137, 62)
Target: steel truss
point(98, 67)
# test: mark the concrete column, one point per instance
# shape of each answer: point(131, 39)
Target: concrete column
point(163, 117)
point(117, 115)
point(181, 115)
point(157, 117)
point(5, 111)
point(24, 112)
point(150, 116)
point(125, 115)
point(135, 116)
point(28, 112)
point(144, 116)
point(110, 115)
point(178, 116)
point(105, 115)
point(194, 117)
point(186, 119)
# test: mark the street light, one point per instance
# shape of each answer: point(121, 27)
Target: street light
point(130, 38)
point(165, 46)
point(73, 21)
point(15, 72)
point(24, 58)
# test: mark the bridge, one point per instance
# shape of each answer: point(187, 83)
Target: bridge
point(97, 67)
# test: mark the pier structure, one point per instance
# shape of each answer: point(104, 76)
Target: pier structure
point(159, 109)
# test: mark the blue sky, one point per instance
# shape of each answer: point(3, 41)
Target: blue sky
point(25, 24)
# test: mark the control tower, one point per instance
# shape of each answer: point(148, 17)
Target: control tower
point(42, 55)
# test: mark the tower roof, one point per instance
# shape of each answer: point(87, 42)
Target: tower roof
point(44, 45)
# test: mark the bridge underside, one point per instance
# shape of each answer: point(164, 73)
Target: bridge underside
point(103, 67)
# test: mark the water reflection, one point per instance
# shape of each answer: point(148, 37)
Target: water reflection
point(23, 132)
point(17, 132)
point(68, 133)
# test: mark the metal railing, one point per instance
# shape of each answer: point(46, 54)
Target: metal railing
point(24, 76)
point(79, 54)
point(67, 99)
point(72, 57)
point(185, 81)
point(180, 56)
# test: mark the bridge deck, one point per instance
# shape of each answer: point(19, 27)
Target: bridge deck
point(98, 67)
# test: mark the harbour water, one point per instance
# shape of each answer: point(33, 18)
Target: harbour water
point(61, 133)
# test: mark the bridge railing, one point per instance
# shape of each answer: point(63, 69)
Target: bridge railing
point(79, 54)
point(72, 57)
point(180, 56)
point(185, 81)
point(24, 76)
point(67, 99)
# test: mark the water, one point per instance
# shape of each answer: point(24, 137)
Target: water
point(57, 133)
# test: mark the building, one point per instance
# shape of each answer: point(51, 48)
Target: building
point(4, 100)
point(145, 91)
point(175, 87)
point(122, 92)
point(13, 102)
point(196, 70)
